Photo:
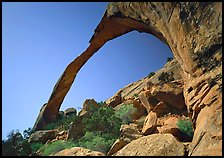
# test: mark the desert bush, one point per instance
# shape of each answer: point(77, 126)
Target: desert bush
point(13, 144)
point(55, 147)
point(140, 122)
point(186, 127)
point(151, 74)
point(135, 95)
point(63, 122)
point(35, 146)
point(101, 130)
point(169, 59)
point(104, 120)
point(97, 141)
point(101, 103)
point(166, 77)
point(125, 112)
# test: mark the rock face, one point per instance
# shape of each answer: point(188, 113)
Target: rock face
point(135, 88)
point(193, 31)
point(78, 151)
point(153, 145)
point(170, 126)
point(42, 136)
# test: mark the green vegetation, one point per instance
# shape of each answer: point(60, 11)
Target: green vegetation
point(35, 147)
point(101, 103)
point(140, 122)
point(62, 122)
point(136, 95)
point(55, 147)
point(11, 146)
point(103, 120)
point(186, 127)
point(17, 145)
point(166, 77)
point(151, 74)
point(101, 129)
point(125, 112)
point(169, 59)
point(97, 141)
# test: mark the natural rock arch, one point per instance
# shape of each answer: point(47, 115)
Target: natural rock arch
point(193, 32)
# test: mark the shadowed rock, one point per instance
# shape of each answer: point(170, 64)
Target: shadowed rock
point(193, 31)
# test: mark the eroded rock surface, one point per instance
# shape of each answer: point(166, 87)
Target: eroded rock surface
point(42, 136)
point(78, 151)
point(153, 145)
point(193, 31)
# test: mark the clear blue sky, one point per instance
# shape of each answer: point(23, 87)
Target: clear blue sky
point(40, 39)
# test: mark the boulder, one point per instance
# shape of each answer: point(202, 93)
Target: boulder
point(70, 111)
point(153, 145)
point(170, 126)
point(118, 144)
point(150, 123)
point(42, 136)
point(147, 100)
point(78, 151)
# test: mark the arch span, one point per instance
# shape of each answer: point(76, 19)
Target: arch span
point(192, 31)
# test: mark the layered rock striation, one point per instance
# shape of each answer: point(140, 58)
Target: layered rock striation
point(193, 31)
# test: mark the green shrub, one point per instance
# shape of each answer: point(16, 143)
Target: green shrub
point(35, 146)
point(63, 122)
point(55, 147)
point(141, 121)
point(135, 95)
point(186, 127)
point(151, 74)
point(169, 59)
point(104, 126)
point(97, 141)
point(166, 77)
point(104, 120)
point(25, 148)
point(125, 112)
point(17, 145)
point(12, 146)
point(101, 103)
point(27, 132)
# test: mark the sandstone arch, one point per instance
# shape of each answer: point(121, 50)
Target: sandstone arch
point(193, 32)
